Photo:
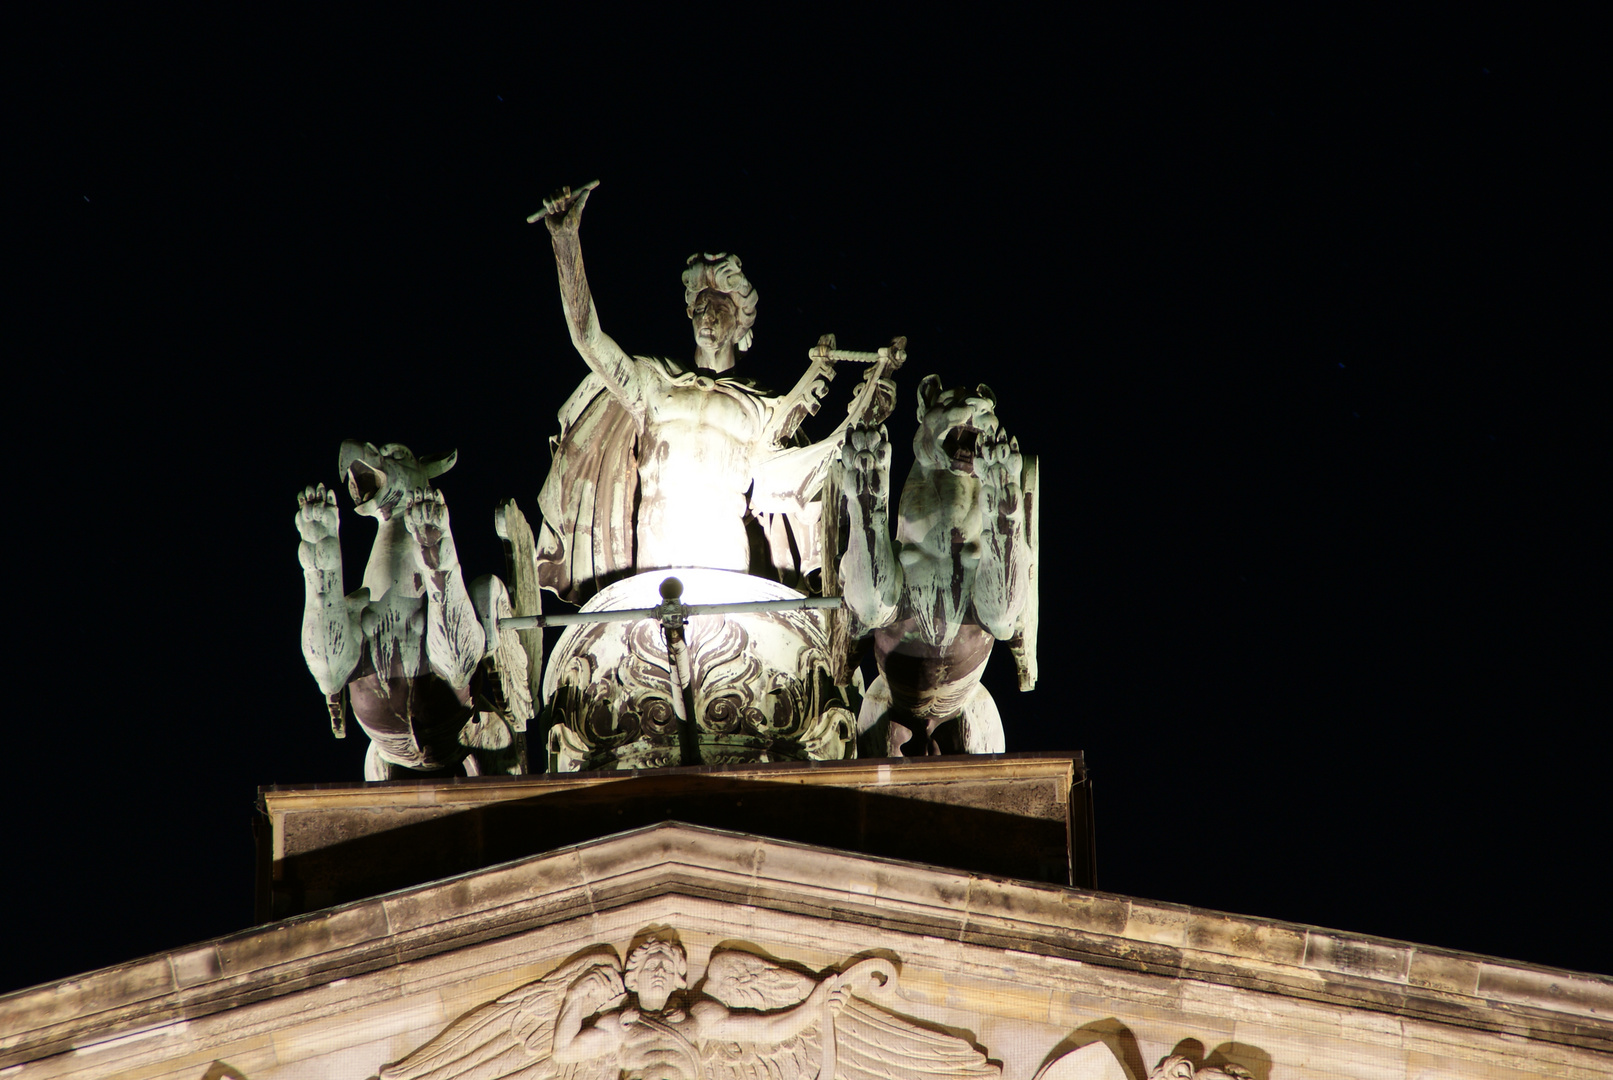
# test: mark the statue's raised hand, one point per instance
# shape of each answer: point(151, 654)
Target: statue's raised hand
point(319, 526)
point(562, 212)
point(866, 455)
point(598, 990)
point(426, 518)
point(835, 994)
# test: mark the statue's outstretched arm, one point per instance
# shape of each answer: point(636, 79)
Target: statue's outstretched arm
point(870, 575)
point(332, 640)
point(563, 216)
point(720, 1024)
point(455, 641)
point(1002, 578)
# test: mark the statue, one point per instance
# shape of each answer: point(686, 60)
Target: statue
point(959, 579)
point(403, 650)
point(1177, 1067)
point(659, 465)
point(593, 1019)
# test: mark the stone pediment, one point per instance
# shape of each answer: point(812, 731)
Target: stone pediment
point(1021, 974)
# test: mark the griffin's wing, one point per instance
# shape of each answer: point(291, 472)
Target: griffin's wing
point(588, 497)
point(742, 980)
point(510, 1038)
point(526, 595)
point(872, 1044)
point(1023, 643)
point(843, 631)
point(513, 671)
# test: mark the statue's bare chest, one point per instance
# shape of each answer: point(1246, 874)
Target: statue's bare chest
point(699, 425)
point(704, 403)
point(663, 1046)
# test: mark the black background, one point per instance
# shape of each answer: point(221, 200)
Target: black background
point(1293, 315)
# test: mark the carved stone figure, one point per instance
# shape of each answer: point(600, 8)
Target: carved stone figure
point(1177, 1067)
point(1095, 1061)
point(959, 578)
point(404, 648)
point(659, 465)
point(594, 1019)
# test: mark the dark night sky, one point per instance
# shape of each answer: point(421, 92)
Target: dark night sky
point(1289, 312)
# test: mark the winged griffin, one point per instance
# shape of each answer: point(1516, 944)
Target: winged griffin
point(595, 1019)
point(405, 649)
point(960, 577)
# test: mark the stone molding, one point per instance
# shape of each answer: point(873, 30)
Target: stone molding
point(916, 777)
point(1025, 817)
point(760, 879)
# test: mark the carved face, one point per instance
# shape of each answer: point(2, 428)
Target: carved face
point(715, 319)
point(654, 971)
point(379, 479)
point(953, 424)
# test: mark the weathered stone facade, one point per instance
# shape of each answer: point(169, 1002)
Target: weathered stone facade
point(1025, 974)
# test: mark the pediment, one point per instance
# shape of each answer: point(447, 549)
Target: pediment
point(1026, 974)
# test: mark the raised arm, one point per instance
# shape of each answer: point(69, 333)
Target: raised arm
point(870, 576)
point(563, 216)
point(455, 641)
point(331, 638)
point(1002, 578)
point(721, 1024)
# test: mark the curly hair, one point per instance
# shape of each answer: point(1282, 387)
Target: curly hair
point(656, 943)
point(721, 273)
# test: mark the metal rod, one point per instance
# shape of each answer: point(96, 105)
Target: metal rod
point(532, 622)
point(805, 603)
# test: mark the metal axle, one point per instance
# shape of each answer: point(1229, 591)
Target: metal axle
point(671, 608)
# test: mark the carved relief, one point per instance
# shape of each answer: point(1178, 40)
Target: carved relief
point(594, 1018)
point(1177, 1067)
point(758, 686)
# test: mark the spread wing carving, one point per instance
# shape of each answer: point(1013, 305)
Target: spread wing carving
point(872, 1044)
point(511, 1037)
point(742, 980)
point(866, 1042)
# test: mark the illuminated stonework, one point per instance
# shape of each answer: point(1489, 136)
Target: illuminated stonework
point(758, 686)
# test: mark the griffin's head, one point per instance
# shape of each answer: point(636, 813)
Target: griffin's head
point(953, 425)
point(379, 479)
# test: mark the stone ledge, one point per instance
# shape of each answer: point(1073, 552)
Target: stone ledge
point(1166, 940)
point(927, 776)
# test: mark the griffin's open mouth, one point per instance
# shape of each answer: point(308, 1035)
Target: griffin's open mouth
point(363, 482)
point(960, 446)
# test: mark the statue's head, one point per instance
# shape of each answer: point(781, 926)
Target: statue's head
point(721, 302)
point(379, 479)
point(953, 424)
point(657, 967)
